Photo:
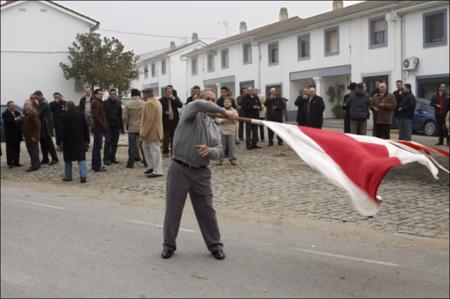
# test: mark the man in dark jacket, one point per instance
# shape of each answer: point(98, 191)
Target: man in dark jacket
point(357, 106)
point(195, 94)
point(113, 111)
point(12, 123)
point(47, 145)
point(405, 112)
point(74, 138)
point(351, 87)
point(99, 128)
point(314, 109)
point(57, 109)
point(171, 116)
point(32, 132)
point(251, 106)
point(225, 92)
point(241, 113)
point(440, 103)
point(301, 102)
point(275, 107)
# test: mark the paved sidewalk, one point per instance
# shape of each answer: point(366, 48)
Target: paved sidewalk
point(274, 182)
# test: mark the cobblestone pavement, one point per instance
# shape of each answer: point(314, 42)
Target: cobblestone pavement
point(275, 182)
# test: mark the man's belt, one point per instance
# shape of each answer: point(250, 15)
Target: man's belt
point(187, 165)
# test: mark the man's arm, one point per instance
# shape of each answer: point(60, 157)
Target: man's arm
point(191, 110)
point(178, 102)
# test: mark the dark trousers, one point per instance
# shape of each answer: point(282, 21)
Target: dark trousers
point(182, 180)
point(111, 141)
point(133, 142)
point(441, 128)
point(383, 131)
point(241, 130)
point(47, 146)
point(96, 151)
point(169, 131)
point(271, 133)
point(33, 151)
point(261, 131)
point(13, 153)
point(347, 121)
point(56, 127)
point(251, 134)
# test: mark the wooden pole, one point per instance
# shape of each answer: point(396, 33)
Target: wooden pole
point(244, 119)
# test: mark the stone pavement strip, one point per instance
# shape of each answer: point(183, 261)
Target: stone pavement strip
point(273, 181)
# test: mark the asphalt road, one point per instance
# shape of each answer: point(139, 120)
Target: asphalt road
point(63, 246)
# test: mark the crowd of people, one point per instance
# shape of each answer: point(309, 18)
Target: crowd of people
point(148, 121)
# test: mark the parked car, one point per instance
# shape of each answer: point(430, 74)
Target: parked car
point(424, 119)
point(3, 109)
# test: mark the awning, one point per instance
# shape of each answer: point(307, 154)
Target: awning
point(221, 80)
point(323, 72)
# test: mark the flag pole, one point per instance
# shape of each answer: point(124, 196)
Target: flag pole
point(243, 119)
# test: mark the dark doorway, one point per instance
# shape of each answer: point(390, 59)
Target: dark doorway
point(277, 88)
point(370, 81)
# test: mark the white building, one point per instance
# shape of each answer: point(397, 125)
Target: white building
point(164, 67)
point(35, 37)
point(368, 41)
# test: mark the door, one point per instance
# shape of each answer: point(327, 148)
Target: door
point(370, 81)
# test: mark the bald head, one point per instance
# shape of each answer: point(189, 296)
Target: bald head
point(208, 95)
point(27, 105)
point(382, 87)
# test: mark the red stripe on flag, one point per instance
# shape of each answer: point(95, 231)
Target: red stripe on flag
point(365, 164)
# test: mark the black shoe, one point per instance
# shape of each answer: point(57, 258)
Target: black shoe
point(256, 146)
point(219, 254)
point(440, 143)
point(82, 180)
point(167, 253)
point(107, 162)
point(10, 166)
point(148, 171)
point(250, 148)
point(130, 166)
point(280, 144)
point(53, 162)
point(31, 169)
point(18, 165)
point(270, 144)
point(101, 169)
point(44, 162)
point(152, 175)
point(115, 162)
point(67, 180)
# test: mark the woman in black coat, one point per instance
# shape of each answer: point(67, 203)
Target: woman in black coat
point(74, 138)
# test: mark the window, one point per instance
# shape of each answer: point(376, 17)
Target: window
point(224, 54)
point(194, 66)
point(163, 67)
point(273, 53)
point(211, 62)
point(303, 46)
point(435, 28)
point(153, 70)
point(247, 53)
point(377, 33)
point(332, 41)
point(146, 72)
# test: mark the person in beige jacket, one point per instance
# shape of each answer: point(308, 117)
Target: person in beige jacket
point(132, 113)
point(228, 131)
point(151, 133)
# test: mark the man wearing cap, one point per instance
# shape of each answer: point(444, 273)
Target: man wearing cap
point(196, 141)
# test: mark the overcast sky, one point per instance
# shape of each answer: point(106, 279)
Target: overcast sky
point(182, 18)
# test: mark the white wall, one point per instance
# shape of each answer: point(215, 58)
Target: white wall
point(432, 61)
point(36, 31)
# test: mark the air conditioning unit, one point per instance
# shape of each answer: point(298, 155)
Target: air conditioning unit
point(410, 63)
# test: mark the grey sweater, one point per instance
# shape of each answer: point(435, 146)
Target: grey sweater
point(196, 128)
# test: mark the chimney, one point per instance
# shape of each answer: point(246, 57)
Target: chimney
point(242, 27)
point(194, 37)
point(283, 14)
point(172, 45)
point(338, 4)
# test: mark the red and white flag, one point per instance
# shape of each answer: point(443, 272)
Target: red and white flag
point(354, 163)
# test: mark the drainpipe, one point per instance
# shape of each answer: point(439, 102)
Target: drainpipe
point(402, 45)
point(259, 68)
